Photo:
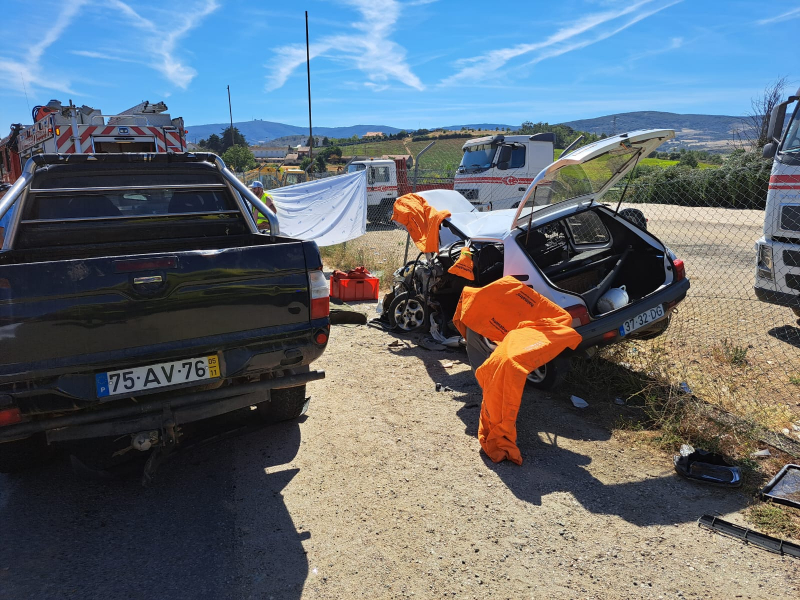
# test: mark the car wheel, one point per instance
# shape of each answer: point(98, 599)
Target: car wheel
point(408, 313)
point(284, 404)
point(546, 377)
point(21, 455)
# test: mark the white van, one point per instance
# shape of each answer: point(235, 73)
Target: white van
point(496, 170)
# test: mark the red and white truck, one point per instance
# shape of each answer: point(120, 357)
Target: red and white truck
point(70, 129)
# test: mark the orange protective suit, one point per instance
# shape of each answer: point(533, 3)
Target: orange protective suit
point(464, 266)
point(531, 331)
point(420, 219)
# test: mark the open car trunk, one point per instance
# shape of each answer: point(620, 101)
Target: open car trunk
point(590, 252)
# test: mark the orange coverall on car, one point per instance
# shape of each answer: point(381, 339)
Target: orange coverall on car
point(531, 331)
point(420, 219)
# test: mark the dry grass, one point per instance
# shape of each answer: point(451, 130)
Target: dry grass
point(382, 255)
point(774, 519)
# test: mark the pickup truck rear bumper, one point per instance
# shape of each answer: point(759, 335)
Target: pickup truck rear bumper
point(132, 418)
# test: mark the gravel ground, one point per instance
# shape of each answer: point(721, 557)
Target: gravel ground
point(381, 491)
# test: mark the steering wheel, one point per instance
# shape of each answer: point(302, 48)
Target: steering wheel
point(454, 249)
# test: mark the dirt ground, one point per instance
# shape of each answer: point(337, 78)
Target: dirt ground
point(381, 491)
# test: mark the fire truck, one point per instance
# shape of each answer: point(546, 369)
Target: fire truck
point(68, 129)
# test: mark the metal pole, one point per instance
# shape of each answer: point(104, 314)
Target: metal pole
point(414, 190)
point(308, 71)
point(230, 110)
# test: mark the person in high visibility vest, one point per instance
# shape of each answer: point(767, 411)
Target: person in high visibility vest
point(258, 189)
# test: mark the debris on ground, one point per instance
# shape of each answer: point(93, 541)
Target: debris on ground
point(579, 402)
point(784, 487)
point(760, 540)
point(707, 467)
point(765, 453)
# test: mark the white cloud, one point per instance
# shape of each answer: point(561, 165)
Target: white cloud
point(792, 14)
point(28, 71)
point(162, 40)
point(370, 50)
point(480, 67)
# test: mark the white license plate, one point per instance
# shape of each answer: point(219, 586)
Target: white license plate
point(128, 381)
point(641, 320)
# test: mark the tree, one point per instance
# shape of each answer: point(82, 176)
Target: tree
point(213, 143)
point(225, 139)
point(310, 142)
point(688, 159)
point(754, 133)
point(319, 164)
point(304, 163)
point(325, 141)
point(239, 158)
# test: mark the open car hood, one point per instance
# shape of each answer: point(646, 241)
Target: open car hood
point(585, 174)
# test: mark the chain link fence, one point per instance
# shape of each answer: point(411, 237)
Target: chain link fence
point(724, 345)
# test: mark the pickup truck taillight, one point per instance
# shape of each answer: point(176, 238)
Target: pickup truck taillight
point(9, 416)
point(320, 296)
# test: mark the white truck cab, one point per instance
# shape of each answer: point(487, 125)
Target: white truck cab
point(381, 186)
point(496, 170)
point(778, 251)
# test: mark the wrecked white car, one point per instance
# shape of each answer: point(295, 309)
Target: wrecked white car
point(601, 264)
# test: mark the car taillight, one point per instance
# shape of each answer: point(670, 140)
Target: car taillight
point(680, 269)
point(9, 416)
point(579, 314)
point(320, 296)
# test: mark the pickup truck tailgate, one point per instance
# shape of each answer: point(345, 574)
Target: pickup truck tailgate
point(56, 315)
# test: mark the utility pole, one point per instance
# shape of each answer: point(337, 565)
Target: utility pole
point(308, 70)
point(230, 110)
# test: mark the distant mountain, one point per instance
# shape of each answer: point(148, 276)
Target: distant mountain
point(260, 132)
point(702, 132)
point(482, 126)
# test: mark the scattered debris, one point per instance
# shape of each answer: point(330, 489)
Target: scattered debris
point(707, 467)
point(450, 342)
point(445, 388)
point(784, 487)
point(760, 540)
point(619, 401)
point(578, 402)
point(685, 387)
point(395, 344)
point(765, 453)
point(430, 344)
point(785, 431)
point(448, 364)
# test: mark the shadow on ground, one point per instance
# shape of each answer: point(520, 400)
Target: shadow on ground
point(549, 431)
point(188, 536)
point(786, 333)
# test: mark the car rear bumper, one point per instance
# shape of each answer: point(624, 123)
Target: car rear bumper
point(128, 417)
point(594, 333)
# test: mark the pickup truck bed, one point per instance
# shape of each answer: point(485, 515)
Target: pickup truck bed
point(137, 294)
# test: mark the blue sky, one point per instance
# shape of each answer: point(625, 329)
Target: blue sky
point(404, 63)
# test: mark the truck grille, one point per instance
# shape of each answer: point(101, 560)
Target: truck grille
point(790, 217)
point(791, 258)
point(793, 281)
point(469, 194)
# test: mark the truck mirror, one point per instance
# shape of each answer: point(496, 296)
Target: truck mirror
point(776, 120)
point(502, 166)
point(769, 150)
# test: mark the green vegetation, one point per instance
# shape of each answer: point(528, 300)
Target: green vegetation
point(775, 520)
point(740, 182)
point(220, 143)
point(239, 158)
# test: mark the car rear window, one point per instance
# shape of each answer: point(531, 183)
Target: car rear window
point(128, 203)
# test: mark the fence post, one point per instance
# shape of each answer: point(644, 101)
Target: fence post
point(414, 190)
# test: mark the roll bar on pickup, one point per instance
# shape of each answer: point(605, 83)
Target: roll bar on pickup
point(20, 187)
